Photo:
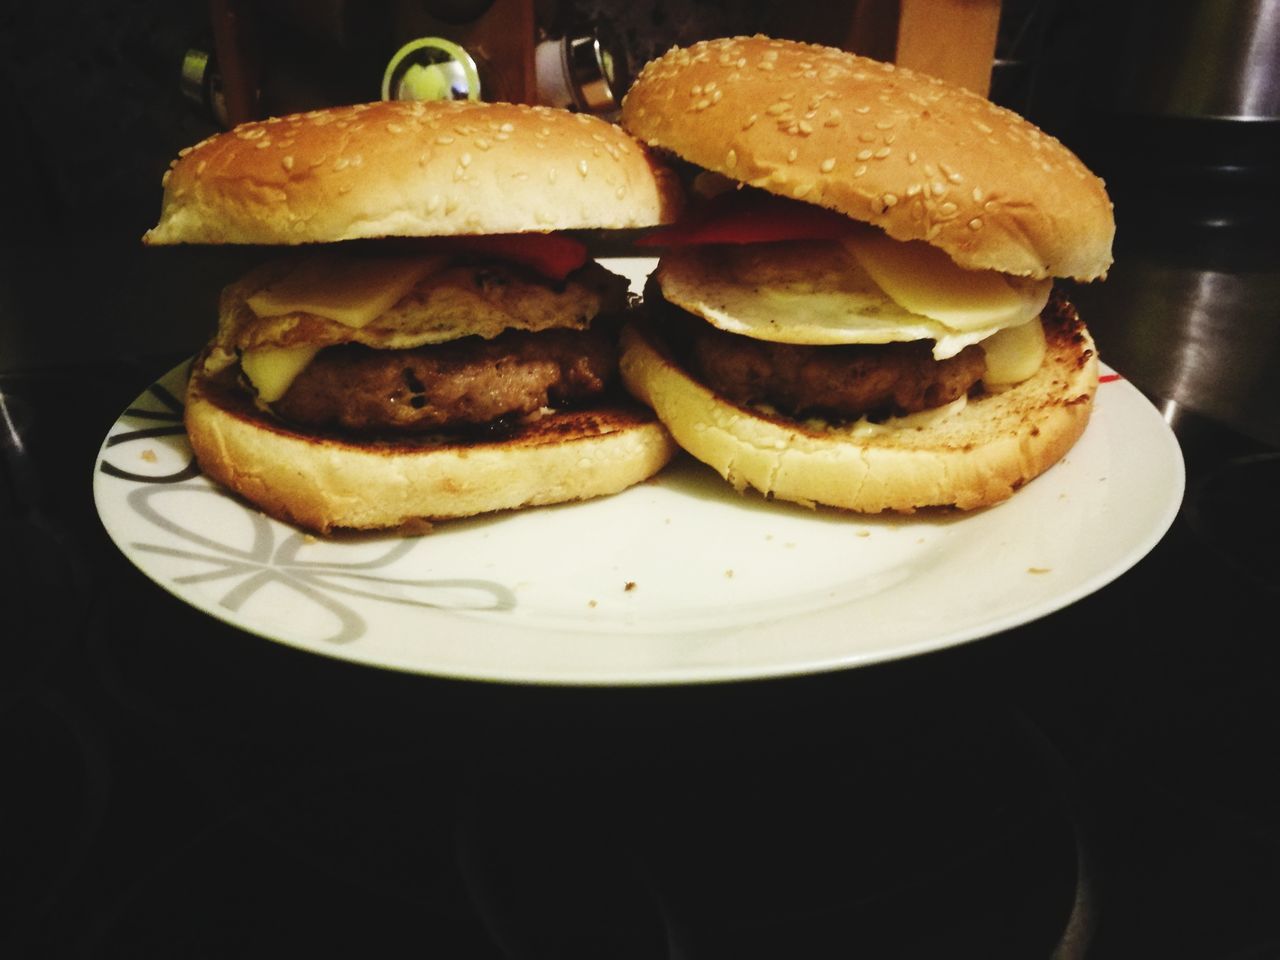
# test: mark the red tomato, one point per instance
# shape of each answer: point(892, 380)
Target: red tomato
point(553, 255)
point(741, 216)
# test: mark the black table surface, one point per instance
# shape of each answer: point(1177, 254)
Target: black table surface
point(1097, 783)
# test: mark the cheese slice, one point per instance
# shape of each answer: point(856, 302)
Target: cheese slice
point(1014, 354)
point(349, 290)
point(804, 292)
point(272, 370)
point(925, 281)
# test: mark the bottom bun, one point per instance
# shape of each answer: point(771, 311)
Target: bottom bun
point(972, 458)
point(326, 481)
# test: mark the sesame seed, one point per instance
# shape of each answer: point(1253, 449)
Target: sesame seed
point(582, 167)
point(483, 143)
point(948, 209)
point(806, 127)
point(866, 136)
point(889, 200)
point(977, 194)
point(702, 104)
point(766, 65)
point(709, 86)
point(861, 169)
point(465, 160)
point(394, 128)
point(771, 55)
point(864, 154)
point(801, 190)
point(792, 154)
point(341, 163)
point(695, 90)
point(882, 153)
point(551, 175)
point(731, 159)
point(913, 190)
point(750, 121)
point(263, 144)
point(287, 162)
point(828, 165)
point(444, 140)
point(862, 109)
point(911, 156)
point(938, 188)
point(975, 223)
point(777, 109)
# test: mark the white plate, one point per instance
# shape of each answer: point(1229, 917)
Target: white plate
point(677, 580)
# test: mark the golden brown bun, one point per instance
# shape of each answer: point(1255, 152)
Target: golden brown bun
point(324, 482)
point(412, 169)
point(920, 158)
point(977, 457)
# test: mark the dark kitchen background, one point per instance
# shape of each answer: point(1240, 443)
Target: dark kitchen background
point(1100, 783)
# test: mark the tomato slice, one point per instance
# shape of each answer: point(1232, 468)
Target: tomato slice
point(553, 255)
point(751, 216)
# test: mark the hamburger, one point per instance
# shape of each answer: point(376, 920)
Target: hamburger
point(422, 339)
point(859, 308)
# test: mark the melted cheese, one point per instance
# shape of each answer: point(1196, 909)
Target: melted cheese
point(272, 370)
point(349, 290)
point(805, 292)
point(1014, 354)
point(925, 281)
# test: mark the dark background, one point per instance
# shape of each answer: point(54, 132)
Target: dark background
point(1097, 784)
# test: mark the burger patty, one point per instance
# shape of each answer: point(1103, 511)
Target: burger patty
point(462, 383)
point(848, 382)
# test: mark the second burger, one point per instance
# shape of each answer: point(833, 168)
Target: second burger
point(861, 313)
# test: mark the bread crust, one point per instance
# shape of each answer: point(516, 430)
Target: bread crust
point(412, 169)
point(972, 459)
point(324, 481)
point(920, 158)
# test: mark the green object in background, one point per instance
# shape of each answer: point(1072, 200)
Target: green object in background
point(431, 68)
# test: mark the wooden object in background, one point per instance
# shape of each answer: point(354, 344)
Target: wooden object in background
point(951, 39)
point(238, 54)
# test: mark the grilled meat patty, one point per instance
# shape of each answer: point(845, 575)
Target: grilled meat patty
point(466, 382)
point(873, 380)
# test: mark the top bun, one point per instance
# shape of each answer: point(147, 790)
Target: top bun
point(411, 169)
point(918, 157)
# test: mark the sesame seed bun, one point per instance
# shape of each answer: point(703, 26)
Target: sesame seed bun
point(327, 481)
point(974, 458)
point(920, 158)
point(411, 169)
point(458, 170)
